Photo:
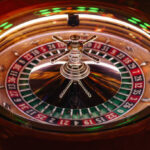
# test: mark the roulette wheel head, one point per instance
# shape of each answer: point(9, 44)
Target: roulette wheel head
point(74, 69)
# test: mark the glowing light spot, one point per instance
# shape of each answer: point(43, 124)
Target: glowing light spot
point(44, 10)
point(56, 8)
point(81, 8)
point(137, 20)
point(44, 13)
point(55, 11)
point(4, 24)
point(146, 24)
point(143, 26)
point(132, 21)
point(93, 9)
point(8, 26)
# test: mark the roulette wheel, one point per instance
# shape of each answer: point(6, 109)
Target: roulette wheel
point(73, 72)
